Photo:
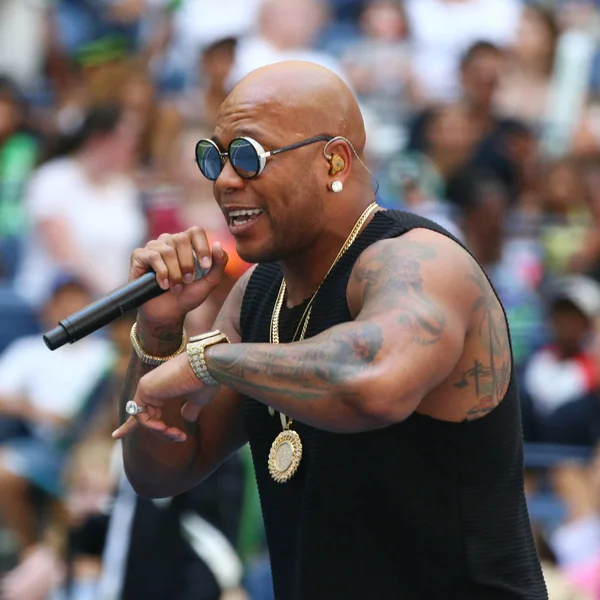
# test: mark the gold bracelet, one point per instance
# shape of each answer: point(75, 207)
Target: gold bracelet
point(148, 359)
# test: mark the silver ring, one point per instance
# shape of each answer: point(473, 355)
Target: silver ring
point(131, 408)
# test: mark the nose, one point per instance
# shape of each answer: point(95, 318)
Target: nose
point(228, 180)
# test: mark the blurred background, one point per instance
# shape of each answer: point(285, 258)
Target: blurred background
point(483, 115)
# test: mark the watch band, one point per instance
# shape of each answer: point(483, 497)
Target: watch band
point(195, 351)
point(148, 359)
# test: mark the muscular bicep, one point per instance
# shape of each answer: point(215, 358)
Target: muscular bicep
point(409, 288)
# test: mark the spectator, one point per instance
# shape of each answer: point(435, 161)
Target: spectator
point(525, 86)
point(412, 187)
point(128, 84)
point(378, 64)
point(442, 30)
point(197, 24)
point(41, 394)
point(504, 146)
point(18, 155)
point(84, 209)
point(112, 545)
point(62, 567)
point(287, 30)
point(78, 25)
point(480, 69)
point(199, 107)
point(566, 215)
point(485, 206)
point(83, 37)
point(71, 538)
point(444, 147)
point(22, 46)
point(564, 370)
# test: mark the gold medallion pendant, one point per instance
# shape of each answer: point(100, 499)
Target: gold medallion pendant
point(285, 455)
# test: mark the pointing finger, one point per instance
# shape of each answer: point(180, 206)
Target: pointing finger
point(125, 429)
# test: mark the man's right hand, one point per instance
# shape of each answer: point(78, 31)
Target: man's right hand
point(171, 257)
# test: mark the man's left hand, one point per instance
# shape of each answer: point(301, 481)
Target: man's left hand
point(172, 379)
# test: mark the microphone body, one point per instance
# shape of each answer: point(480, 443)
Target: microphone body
point(107, 309)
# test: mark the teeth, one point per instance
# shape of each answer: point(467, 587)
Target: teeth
point(242, 213)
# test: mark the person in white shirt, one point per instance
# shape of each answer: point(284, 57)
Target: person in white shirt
point(41, 395)
point(84, 209)
point(442, 30)
point(287, 30)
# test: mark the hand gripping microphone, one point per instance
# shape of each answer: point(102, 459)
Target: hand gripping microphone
point(109, 308)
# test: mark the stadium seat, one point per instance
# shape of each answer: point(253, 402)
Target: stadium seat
point(16, 317)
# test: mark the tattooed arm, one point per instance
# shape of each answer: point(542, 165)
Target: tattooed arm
point(485, 372)
point(410, 323)
point(407, 336)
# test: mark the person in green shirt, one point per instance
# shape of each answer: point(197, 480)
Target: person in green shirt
point(18, 156)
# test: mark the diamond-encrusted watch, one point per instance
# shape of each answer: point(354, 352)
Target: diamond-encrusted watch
point(195, 351)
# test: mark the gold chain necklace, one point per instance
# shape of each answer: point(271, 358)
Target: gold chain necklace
point(286, 450)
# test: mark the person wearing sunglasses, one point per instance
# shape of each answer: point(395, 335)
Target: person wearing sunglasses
point(365, 358)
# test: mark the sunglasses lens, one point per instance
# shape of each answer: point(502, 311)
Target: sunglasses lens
point(244, 158)
point(209, 160)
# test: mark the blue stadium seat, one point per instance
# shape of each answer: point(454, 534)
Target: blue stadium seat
point(11, 250)
point(16, 317)
point(544, 506)
point(539, 455)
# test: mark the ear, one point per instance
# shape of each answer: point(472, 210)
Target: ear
point(338, 155)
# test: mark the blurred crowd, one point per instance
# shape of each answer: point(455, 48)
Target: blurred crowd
point(483, 115)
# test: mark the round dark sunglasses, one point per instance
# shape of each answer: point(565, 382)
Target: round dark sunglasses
point(247, 157)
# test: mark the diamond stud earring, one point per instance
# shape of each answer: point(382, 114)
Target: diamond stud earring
point(337, 186)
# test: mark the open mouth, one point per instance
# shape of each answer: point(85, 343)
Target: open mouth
point(242, 217)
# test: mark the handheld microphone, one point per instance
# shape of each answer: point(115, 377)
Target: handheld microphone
point(109, 308)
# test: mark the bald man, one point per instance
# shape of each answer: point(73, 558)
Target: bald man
point(365, 358)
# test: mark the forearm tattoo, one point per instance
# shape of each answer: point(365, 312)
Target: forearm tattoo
point(320, 367)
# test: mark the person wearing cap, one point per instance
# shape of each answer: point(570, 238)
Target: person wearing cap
point(565, 370)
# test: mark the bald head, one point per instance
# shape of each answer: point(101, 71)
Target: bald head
point(302, 98)
point(288, 109)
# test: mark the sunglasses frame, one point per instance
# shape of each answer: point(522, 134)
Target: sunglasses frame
point(261, 154)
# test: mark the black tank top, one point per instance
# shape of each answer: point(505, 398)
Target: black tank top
point(422, 509)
